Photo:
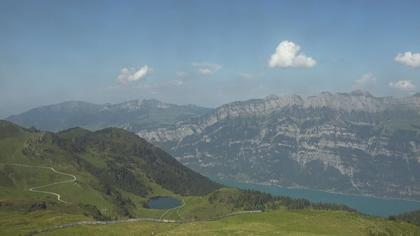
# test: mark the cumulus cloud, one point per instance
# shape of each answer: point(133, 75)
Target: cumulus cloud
point(408, 59)
point(403, 85)
point(365, 81)
point(288, 54)
point(128, 75)
point(204, 68)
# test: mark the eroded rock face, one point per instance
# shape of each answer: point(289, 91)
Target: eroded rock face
point(352, 143)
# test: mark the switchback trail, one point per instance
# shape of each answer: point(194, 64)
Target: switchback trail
point(34, 189)
point(73, 224)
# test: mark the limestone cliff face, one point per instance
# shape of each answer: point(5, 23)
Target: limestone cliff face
point(353, 142)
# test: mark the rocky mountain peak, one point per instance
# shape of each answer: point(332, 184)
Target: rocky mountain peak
point(357, 100)
point(138, 104)
point(360, 92)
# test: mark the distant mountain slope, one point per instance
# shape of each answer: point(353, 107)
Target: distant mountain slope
point(344, 142)
point(115, 169)
point(132, 115)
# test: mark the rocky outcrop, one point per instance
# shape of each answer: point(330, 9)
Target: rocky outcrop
point(345, 142)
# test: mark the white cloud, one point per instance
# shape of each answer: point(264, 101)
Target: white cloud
point(128, 75)
point(403, 85)
point(365, 81)
point(288, 55)
point(204, 68)
point(408, 59)
point(206, 71)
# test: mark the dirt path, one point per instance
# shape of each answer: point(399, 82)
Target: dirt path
point(34, 189)
point(111, 222)
point(178, 207)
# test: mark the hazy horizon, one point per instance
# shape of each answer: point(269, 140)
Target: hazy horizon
point(203, 53)
point(191, 103)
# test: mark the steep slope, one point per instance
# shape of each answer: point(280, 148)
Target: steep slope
point(353, 143)
point(132, 115)
point(123, 153)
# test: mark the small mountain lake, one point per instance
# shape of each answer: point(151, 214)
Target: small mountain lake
point(365, 204)
point(163, 202)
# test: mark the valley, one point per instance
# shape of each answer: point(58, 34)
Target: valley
point(98, 181)
point(209, 118)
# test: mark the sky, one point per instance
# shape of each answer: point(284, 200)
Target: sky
point(203, 52)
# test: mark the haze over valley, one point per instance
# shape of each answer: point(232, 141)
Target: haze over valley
point(193, 117)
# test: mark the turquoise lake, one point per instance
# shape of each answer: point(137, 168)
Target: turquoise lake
point(365, 204)
point(163, 203)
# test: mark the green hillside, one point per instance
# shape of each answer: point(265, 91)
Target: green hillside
point(278, 222)
point(48, 181)
point(411, 217)
point(275, 222)
point(117, 172)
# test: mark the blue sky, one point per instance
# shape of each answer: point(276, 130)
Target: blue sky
point(203, 52)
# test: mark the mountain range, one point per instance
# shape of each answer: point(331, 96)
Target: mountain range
point(343, 142)
point(132, 115)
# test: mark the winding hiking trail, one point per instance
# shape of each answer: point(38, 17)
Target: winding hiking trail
point(111, 222)
point(73, 224)
point(34, 189)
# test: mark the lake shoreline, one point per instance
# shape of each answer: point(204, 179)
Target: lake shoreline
point(163, 202)
point(339, 193)
point(318, 190)
point(364, 203)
